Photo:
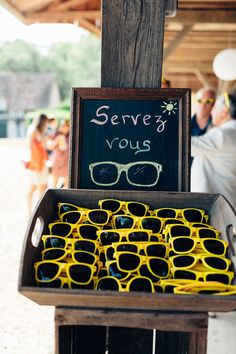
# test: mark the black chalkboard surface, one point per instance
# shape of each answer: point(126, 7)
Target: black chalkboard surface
point(130, 139)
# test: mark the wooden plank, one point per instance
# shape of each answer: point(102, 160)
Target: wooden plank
point(188, 322)
point(203, 16)
point(202, 78)
point(91, 27)
point(60, 16)
point(68, 5)
point(176, 41)
point(136, 32)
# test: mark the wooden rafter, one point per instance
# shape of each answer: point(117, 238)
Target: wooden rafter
point(206, 16)
point(61, 16)
point(202, 78)
point(90, 26)
point(176, 41)
point(68, 5)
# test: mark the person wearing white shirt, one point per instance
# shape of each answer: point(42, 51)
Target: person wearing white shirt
point(214, 165)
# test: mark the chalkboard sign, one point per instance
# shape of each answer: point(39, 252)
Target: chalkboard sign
point(130, 139)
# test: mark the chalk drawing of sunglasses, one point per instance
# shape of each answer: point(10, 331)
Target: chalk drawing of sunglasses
point(139, 173)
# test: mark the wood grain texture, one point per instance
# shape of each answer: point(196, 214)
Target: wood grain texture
point(132, 43)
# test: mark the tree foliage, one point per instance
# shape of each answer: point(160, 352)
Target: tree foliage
point(74, 64)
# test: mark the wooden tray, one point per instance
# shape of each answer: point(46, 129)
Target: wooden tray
point(221, 216)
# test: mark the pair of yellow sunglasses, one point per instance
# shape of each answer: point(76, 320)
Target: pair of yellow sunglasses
point(206, 288)
point(136, 283)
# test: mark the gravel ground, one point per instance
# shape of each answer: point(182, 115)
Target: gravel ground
point(26, 327)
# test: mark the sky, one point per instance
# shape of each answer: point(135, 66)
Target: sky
point(40, 34)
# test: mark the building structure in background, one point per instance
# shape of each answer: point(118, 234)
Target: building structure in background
point(21, 93)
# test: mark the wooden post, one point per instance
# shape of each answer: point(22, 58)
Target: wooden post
point(132, 52)
point(132, 43)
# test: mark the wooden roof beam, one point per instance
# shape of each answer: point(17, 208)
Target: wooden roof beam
point(203, 16)
point(68, 4)
point(202, 78)
point(61, 16)
point(13, 10)
point(176, 41)
point(91, 27)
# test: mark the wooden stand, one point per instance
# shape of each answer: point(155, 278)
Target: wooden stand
point(193, 325)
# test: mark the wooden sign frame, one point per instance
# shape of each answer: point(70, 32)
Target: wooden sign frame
point(82, 96)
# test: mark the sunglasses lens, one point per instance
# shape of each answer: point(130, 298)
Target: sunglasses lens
point(56, 242)
point(156, 250)
point(84, 245)
point(107, 284)
point(216, 263)
point(214, 246)
point(145, 272)
point(128, 262)
point(84, 257)
point(53, 254)
point(112, 205)
point(99, 217)
point(127, 247)
point(166, 213)
point(180, 230)
point(141, 236)
point(115, 272)
point(183, 244)
point(73, 217)
point(206, 233)
point(141, 284)
point(173, 221)
point(184, 274)
point(106, 238)
point(169, 289)
point(183, 261)
point(47, 271)
point(67, 207)
point(109, 254)
point(61, 229)
point(159, 267)
point(220, 277)
point(124, 222)
point(88, 232)
point(80, 273)
point(192, 215)
point(136, 209)
point(152, 224)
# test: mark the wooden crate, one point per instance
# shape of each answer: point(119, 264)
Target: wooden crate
point(221, 215)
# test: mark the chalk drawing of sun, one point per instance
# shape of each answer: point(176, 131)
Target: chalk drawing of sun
point(169, 107)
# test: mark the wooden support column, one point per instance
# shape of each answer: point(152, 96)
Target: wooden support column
point(132, 43)
point(132, 53)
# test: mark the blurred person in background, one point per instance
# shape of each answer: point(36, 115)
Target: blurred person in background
point(38, 158)
point(59, 146)
point(201, 120)
point(214, 168)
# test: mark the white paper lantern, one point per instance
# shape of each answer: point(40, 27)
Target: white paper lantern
point(224, 64)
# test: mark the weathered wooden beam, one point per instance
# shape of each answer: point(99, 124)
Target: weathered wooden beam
point(203, 16)
point(132, 43)
point(176, 41)
point(187, 67)
point(91, 27)
point(32, 5)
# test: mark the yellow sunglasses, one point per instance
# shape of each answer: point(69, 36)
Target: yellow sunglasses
point(64, 282)
point(50, 241)
point(136, 283)
point(59, 254)
point(206, 276)
point(206, 288)
point(107, 237)
point(144, 222)
point(168, 285)
point(65, 207)
point(79, 273)
point(183, 245)
point(151, 249)
point(131, 262)
point(188, 214)
point(115, 205)
point(190, 260)
point(94, 216)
